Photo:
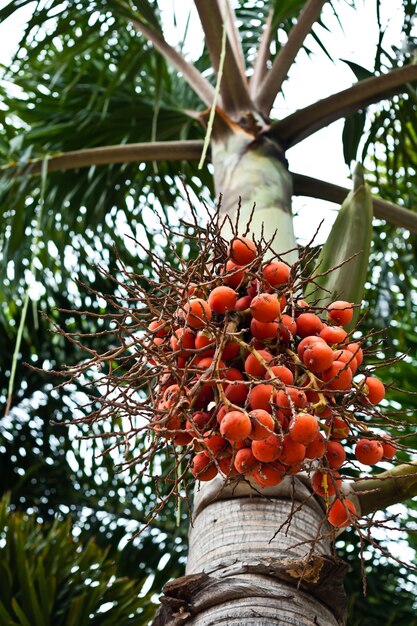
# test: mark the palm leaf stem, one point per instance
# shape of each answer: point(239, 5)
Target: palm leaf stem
point(304, 122)
point(234, 88)
point(213, 106)
point(392, 213)
point(260, 68)
point(190, 150)
point(391, 487)
point(227, 10)
point(272, 83)
point(106, 155)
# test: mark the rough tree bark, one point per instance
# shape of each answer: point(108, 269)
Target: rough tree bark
point(240, 570)
point(257, 560)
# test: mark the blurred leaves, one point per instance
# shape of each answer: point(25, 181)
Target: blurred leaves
point(390, 595)
point(89, 81)
point(50, 578)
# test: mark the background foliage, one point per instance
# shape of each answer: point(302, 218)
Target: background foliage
point(49, 578)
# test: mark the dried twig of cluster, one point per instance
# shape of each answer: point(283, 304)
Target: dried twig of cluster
point(217, 365)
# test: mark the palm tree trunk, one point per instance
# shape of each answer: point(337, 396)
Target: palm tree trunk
point(265, 560)
point(256, 172)
point(256, 560)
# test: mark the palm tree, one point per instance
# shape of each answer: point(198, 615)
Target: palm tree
point(98, 85)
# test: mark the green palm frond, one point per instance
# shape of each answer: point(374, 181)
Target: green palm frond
point(49, 578)
point(392, 143)
point(88, 80)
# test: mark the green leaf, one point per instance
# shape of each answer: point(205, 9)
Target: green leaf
point(352, 134)
point(360, 72)
point(17, 228)
point(350, 236)
point(46, 586)
point(76, 611)
point(6, 578)
point(6, 618)
point(54, 580)
point(31, 604)
point(23, 620)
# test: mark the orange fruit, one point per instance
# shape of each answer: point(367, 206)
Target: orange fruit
point(341, 513)
point(373, 389)
point(303, 428)
point(202, 467)
point(265, 307)
point(242, 250)
point(197, 312)
point(235, 426)
point(309, 324)
point(267, 450)
point(254, 367)
point(340, 312)
point(276, 273)
point(262, 424)
point(335, 454)
point(222, 299)
point(245, 461)
point(369, 451)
